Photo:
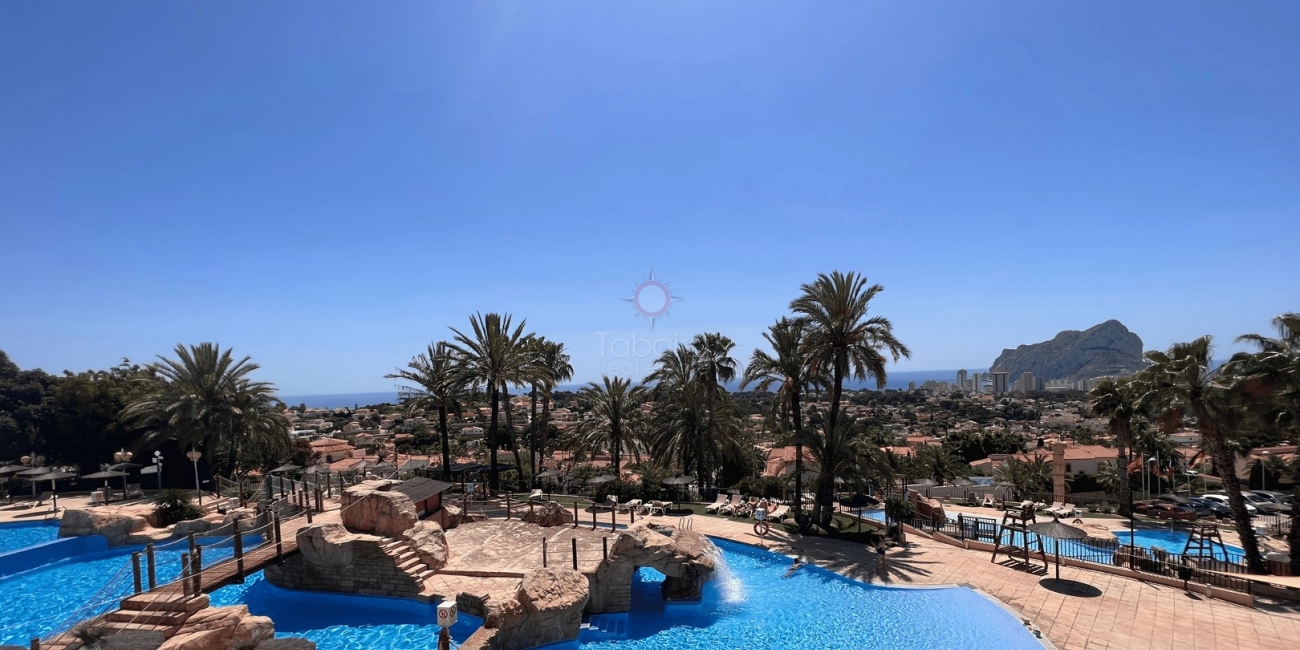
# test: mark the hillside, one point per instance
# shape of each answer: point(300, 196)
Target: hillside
point(1099, 351)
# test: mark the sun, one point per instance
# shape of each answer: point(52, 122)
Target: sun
point(652, 298)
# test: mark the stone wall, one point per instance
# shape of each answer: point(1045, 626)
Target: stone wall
point(357, 565)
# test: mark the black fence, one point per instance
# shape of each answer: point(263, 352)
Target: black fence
point(1156, 560)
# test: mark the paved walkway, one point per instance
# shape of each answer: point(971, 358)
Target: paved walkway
point(1085, 610)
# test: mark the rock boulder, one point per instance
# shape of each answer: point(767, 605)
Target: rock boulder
point(371, 507)
point(329, 545)
point(549, 514)
point(117, 528)
point(546, 609)
point(448, 517)
point(196, 526)
point(245, 516)
point(429, 542)
point(686, 559)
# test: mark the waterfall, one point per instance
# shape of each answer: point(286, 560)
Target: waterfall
point(729, 586)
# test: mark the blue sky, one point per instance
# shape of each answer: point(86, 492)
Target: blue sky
point(328, 186)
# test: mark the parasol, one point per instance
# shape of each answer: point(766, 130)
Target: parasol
point(598, 480)
point(679, 480)
point(287, 467)
point(1057, 531)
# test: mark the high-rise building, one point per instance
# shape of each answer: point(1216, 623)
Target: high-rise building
point(977, 383)
point(961, 380)
point(1027, 382)
point(1000, 383)
point(911, 385)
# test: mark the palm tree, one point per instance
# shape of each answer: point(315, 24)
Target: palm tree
point(686, 426)
point(615, 409)
point(494, 356)
point(1269, 466)
point(433, 381)
point(837, 458)
point(1108, 477)
point(553, 361)
point(786, 368)
point(1179, 381)
point(1025, 476)
point(843, 339)
point(1113, 400)
point(938, 463)
point(205, 398)
point(714, 368)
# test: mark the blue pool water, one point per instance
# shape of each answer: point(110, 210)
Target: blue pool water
point(1174, 541)
point(39, 602)
point(342, 622)
point(754, 602)
point(18, 536)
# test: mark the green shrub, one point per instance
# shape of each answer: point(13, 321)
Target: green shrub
point(767, 487)
point(897, 508)
point(174, 505)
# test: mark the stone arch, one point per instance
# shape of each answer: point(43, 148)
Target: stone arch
point(684, 557)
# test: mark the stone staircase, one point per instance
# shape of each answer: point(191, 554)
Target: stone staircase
point(604, 627)
point(406, 559)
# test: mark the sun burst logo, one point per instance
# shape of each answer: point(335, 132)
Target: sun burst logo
point(652, 298)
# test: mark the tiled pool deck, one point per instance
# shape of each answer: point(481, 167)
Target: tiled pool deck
point(1085, 610)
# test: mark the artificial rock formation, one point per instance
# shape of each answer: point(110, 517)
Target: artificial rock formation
point(548, 514)
point(332, 559)
point(448, 517)
point(927, 508)
point(684, 557)
point(546, 609)
point(221, 628)
point(245, 516)
point(372, 507)
point(117, 528)
point(429, 542)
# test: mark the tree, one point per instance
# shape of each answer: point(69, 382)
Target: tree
point(843, 339)
point(615, 412)
point(494, 355)
point(434, 381)
point(205, 398)
point(1114, 400)
point(684, 429)
point(1025, 476)
point(1179, 381)
point(837, 457)
point(22, 408)
point(553, 360)
point(787, 369)
point(938, 464)
point(1270, 468)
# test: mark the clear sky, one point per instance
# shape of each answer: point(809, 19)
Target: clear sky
point(327, 186)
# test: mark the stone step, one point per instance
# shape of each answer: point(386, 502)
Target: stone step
point(406, 555)
point(164, 601)
point(164, 618)
point(409, 564)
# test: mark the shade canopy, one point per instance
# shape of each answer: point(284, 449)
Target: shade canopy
point(11, 469)
point(108, 473)
point(317, 469)
point(604, 478)
point(122, 467)
point(53, 475)
point(1057, 530)
point(288, 467)
point(679, 480)
point(35, 471)
point(549, 473)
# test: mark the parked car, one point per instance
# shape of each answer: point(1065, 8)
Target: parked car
point(1219, 497)
point(1185, 503)
point(1210, 506)
point(1263, 502)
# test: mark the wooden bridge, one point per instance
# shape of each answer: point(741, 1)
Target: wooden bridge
point(165, 608)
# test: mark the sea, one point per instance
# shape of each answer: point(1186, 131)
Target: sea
point(897, 380)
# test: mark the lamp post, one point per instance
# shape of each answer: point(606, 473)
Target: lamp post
point(157, 461)
point(1263, 469)
point(121, 456)
point(194, 455)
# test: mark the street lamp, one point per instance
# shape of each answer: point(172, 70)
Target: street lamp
point(1263, 469)
point(157, 461)
point(122, 456)
point(194, 455)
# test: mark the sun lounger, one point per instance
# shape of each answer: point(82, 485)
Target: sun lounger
point(730, 508)
point(630, 505)
point(535, 495)
point(1056, 505)
point(655, 507)
point(713, 507)
point(133, 491)
point(779, 514)
point(988, 502)
point(40, 501)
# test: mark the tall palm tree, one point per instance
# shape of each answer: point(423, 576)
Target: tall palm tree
point(786, 368)
point(714, 368)
point(1274, 371)
point(434, 381)
point(494, 355)
point(615, 407)
point(691, 423)
point(842, 337)
point(938, 464)
point(258, 432)
point(1113, 400)
point(205, 398)
point(1179, 381)
point(553, 361)
point(837, 458)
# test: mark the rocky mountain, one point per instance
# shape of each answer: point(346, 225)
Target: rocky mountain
point(1099, 351)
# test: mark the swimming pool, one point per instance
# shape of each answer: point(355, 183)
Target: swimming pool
point(753, 601)
point(17, 536)
point(42, 601)
point(1173, 541)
